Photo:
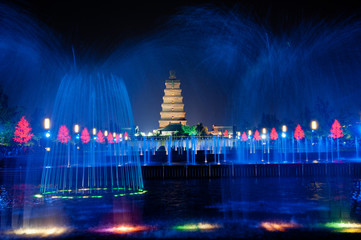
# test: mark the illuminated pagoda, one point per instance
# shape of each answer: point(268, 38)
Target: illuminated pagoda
point(172, 106)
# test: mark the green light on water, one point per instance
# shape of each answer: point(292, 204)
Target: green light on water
point(38, 195)
point(341, 225)
point(187, 227)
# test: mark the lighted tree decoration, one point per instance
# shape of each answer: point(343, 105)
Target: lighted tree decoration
point(336, 133)
point(336, 130)
point(23, 131)
point(126, 135)
point(244, 136)
point(117, 138)
point(110, 138)
point(274, 134)
point(299, 134)
point(85, 137)
point(226, 133)
point(256, 135)
point(100, 137)
point(63, 134)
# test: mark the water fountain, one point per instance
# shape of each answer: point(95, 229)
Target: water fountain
point(98, 102)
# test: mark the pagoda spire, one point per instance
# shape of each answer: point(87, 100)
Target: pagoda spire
point(172, 106)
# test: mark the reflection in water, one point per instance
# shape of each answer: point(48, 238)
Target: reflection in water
point(188, 207)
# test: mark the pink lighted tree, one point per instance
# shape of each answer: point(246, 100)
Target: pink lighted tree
point(244, 136)
point(100, 137)
point(274, 134)
point(85, 137)
point(256, 135)
point(23, 131)
point(336, 130)
point(110, 138)
point(226, 133)
point(126, 135)
point(63, 134)
point(299, 134)
point(117, 138)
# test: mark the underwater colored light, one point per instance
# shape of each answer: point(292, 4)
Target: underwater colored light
point(196, 227)
point(41, 232)
point(278, 226)
point(340, 225)
point(122, 229)
point(47, 123)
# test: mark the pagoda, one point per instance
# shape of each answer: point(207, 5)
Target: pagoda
point(172, 106)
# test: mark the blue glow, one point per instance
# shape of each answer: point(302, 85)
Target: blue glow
point(47, 134)
point(283, 135)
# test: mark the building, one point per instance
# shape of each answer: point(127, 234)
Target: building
point(220, 130)
point(172, 106)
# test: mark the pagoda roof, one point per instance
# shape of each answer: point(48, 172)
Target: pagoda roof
point(172, 127)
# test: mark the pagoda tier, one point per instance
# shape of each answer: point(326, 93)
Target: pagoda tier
point(172, 107)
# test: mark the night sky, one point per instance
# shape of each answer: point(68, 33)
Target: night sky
point(141, 35)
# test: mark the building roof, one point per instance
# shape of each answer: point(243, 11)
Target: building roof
point(172, 127)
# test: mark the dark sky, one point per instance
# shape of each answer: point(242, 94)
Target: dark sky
point(97, 29)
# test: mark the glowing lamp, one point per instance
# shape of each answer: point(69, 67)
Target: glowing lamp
point(284, 128)
point(47, 134)
point(114, 134)
point(94, 131)
point(120, 135)
point(76, 128)
point(264, 130)
point(47, 123)
point(106, 133)
point(249, 132)
point(263, 136)
point(314, 125)
point(238, 134)
point(283, 135)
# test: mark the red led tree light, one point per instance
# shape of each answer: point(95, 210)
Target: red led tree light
point(226, 133)
point(257, 136)
point(23, 131)
point(117, 138)
point(336, 130)
point(110, 138)
point(63, 134)
point(126, 135)
point(85, 137)
point(299, 134)
point(274, 134)
point(244, 136)
point(100, 137)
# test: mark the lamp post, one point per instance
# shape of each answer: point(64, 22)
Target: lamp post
point(47, 132)
point(284, 130)
point(314, 126)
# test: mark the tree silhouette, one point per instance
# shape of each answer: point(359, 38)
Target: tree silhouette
point(23, 131)
point(274, 134)
point(299, 134)
point(336, 130)
point(85, 137)
point(63, 134)
point(257, 136)
point(100, 137)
